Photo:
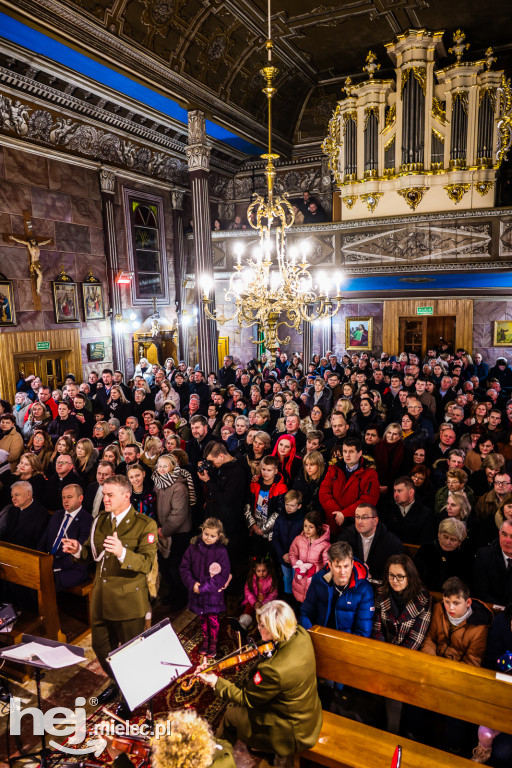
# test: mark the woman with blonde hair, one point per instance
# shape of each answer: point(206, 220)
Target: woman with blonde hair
point(457, 506)
point(117, 405)
point(113, 454)
point(279, 690)
point(290, 408)
point(153, 448)
point(125, 436)
point(166, 393)
point(102, 437)
point(188, 742)
point(86, 459)
point(308, 481)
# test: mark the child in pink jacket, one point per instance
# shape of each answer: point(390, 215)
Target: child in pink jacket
point(260, 588)
point(308, 553)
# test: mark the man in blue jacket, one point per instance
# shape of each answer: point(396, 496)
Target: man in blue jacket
point(340, 596)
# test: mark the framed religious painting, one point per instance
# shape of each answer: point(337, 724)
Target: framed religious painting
point(7, 308)
point(502, 333)
point(358, 333)
point(94, 301)
point(65, 299)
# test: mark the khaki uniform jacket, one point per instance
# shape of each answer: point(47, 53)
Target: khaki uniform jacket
point(281, 698)
point(120, 590)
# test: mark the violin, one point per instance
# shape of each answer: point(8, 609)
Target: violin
point(136, 746)
point(240, 656)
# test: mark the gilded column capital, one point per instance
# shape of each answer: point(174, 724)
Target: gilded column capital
point(107, 181)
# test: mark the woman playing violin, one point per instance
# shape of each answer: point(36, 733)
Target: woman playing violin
point(278, 709)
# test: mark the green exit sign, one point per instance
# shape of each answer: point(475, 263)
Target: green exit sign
point(425, 310)
point(40, 345)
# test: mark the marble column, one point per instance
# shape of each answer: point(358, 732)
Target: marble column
point(179, 269)
point(107, 185)
point(326, 335)
point(198, 156)
point(307, 343)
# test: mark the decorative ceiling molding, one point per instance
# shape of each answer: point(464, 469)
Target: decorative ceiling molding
point(80, 31)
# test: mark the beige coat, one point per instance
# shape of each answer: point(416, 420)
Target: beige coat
point(12, 442)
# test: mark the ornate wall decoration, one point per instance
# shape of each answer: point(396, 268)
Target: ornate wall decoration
point(61, 132)
point(349, 200)
point(371, 199)
point(482, 187)
point(505, 121)
point(412, 195)
point(390, 118)
point(419, 243)
point(457, 191)
point(439, 110)
point(505, 243)
point(157, 15)
point(420, 74)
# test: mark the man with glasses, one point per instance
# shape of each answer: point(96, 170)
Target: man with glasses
point(371, 541)
point(487, 505)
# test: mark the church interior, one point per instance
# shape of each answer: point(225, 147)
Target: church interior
point(300, 190)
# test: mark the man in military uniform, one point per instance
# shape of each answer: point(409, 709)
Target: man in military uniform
point(123, 543)
point(278, 710)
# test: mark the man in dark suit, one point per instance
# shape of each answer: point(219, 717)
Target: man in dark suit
point(227, 374)
point(73, 521)
point(493, 569)
point(370, 540)
point(406, 517)
point(64, 475)
point(93, 496)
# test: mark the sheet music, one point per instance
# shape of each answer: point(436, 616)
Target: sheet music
point(54, 657)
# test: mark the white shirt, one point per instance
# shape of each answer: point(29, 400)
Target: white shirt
point(367, 542)
point(404, 510)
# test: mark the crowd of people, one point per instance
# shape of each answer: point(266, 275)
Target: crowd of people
point(306, 210)
point(309, 481)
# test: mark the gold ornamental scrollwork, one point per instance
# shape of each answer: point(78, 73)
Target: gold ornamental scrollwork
point(390, 118)
point(349, 200)
point(349, 116)
point(504, 120)
point(371, 200)
point(438, 134)
point(483, 187)
point(463, 97)
point(412, 195)
point(331, 145)
point(374, 110)
point(457, 191)
point(420, 73)
point(389, 143)
point(438, 111)
point(492, 95)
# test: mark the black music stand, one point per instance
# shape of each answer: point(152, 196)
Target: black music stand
point(44, 753)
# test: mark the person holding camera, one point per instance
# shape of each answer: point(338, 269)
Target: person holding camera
point(226, 480)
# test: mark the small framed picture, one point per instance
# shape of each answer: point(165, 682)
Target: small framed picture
point(94, 302)
point(502, 333)
point(7, 308)
point(96, 351)
point(65, 299)
point(358, 333)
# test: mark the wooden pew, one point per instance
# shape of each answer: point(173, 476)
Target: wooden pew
point(29, 568)
point(437, 684)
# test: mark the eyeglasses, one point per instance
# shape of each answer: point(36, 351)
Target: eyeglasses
point(399, 578)
point(502, 482)
point(363, 517)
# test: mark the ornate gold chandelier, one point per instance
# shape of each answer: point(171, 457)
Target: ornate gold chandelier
point(263, 291)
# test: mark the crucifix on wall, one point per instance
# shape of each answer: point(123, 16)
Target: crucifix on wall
point(33, 248)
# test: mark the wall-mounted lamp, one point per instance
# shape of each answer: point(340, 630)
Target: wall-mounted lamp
point(123, 277)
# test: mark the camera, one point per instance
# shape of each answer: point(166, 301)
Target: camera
point(205, 466)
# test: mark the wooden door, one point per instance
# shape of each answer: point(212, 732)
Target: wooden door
point(440, 327)
point(413, 335)
point(223, 348)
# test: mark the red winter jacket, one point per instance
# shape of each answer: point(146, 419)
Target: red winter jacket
point(337, 494)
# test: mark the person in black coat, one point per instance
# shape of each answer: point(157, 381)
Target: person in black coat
point(439, 560)
point(405, 516)
point(72, 522)
point(308, 481)
point(225, 491)
point(64, 421)
point(369, 532)
point(182, 387)
point(83, 415)
point(201, 388)
point(492, 581)
point(227, 374)
point(24, 520)
point(65, 474)
point(201, 436)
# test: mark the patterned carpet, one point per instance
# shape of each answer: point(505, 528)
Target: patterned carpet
point(88, 680)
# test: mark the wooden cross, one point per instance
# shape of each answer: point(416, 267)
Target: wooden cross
point(33, 248)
